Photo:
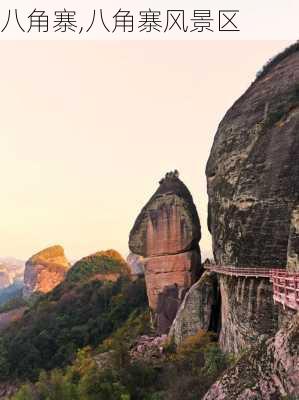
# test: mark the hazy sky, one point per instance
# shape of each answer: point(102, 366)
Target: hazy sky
point(89, 128)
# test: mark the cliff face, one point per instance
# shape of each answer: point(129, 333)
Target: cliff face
point(198, 309)
point(252, 173)
point(44, 271)
point(269, 371)
point(247, 311)
point(167, 232)
point(253, 188)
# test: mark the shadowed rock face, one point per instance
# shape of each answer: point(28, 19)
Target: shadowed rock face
point(197, 309)
point(247, 311)
point(44, 271)
point(253, 187)
point(166, 233)
point(253, 173)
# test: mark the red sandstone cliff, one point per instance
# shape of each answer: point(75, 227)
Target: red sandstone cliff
point(167, 232)
point(45, 270)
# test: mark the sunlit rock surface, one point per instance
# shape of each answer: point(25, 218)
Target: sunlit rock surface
point(166, 233)
point(45, 270)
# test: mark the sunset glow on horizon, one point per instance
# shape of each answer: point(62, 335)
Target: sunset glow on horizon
point(89, 128)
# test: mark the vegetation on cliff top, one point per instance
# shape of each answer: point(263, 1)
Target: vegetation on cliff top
point(277, 59)
point(102, 262)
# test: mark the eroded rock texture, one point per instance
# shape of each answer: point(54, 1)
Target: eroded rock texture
point(180, 269)
point(247, 311)
point(253, 188)
point(44, 271)
point(168, 223)
point(166, 233)
point(269, 371)
point(198, 309)
point(253, 173)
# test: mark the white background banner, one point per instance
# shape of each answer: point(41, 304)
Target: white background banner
point(149, 20)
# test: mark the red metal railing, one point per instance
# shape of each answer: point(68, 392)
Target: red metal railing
point(285, 283)
point(238, 271)
point(286, 288)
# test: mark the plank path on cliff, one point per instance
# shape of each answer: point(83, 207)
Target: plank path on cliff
point(285, 283)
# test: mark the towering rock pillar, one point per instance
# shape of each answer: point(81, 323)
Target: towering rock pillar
point(166, 233)
point(44, 271)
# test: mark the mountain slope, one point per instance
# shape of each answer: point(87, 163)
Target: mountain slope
point(78, 312)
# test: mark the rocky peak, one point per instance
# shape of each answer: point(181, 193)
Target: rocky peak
point(45, 270)
point(166, 233)
point(168, 223)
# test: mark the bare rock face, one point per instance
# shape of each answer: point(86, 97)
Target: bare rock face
point(45, 270)
point(149, 348)
point(160, 272)
point(270, 371)
point(252, 172)
point(198, 309)
point(166, 233)
point(253, 188)
point(247, 311)
point(168, 223)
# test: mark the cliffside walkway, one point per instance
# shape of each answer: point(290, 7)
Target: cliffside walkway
point(285, 283)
